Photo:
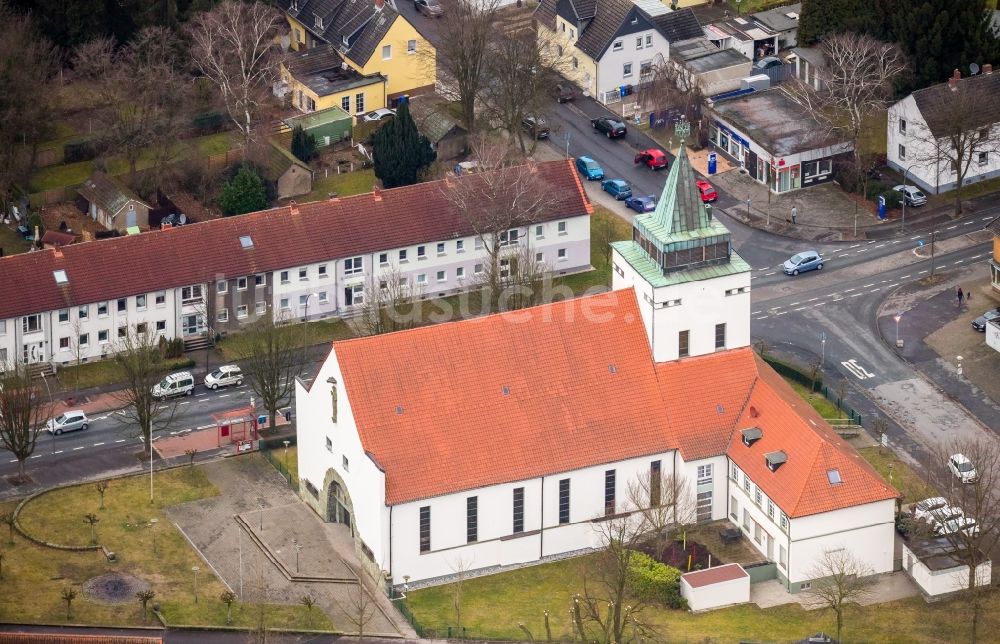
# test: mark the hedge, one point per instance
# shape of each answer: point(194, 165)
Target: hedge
point(787, 370)
point(653, 581)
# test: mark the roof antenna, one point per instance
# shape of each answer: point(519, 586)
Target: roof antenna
point(973, 69)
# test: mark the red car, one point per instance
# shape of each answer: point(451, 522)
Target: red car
point(652, 158)
point(708, 193)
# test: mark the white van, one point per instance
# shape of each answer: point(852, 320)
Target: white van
point(224, 376)
point(176, 384)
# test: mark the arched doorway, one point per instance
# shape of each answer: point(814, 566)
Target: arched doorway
point(339, 508)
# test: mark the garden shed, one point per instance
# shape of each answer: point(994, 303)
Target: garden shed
point(716, 587)
point(328, 126)
point(939, 567)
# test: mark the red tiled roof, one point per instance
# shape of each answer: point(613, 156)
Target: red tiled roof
point(801, 486)
point(728, 572)
point(282, 238)
point(430, 403)
point(704, 396)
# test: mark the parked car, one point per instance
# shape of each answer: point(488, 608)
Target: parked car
point(912, 196)
point(767, 63)
point(979, 324)
point(176, 384)
point(613, 128)
point(565, 92)
point(68, 421)
point(430, 8)
point(589, 168)
point(617, 188)
point(935, 508)
point(962, 468)
point(224, 376)
point(708, 193)
point(652, 158)
point(536, 126)
point(807, 260)
point(379, 114)
point(641, 204)
point(962, 524)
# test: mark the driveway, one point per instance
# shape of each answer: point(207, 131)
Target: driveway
point(257, 562)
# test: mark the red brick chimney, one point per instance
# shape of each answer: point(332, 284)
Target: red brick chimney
point(58, 252)
point(953, 81)
point(293, 208)
point(988, 68)
point(377, 194)
point(379, 4)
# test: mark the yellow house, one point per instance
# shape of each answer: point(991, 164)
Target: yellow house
point(371, 38)
point(318, 78)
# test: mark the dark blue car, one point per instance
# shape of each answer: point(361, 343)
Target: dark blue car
point(642, 204)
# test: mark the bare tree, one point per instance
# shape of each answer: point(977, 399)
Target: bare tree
point(391, 303)
point(608, 604)
point(856, 84)
point(958, 134)
point(361, 606)
point(663, 502)
point(309, 602)
point(138, 90)
point(270, 357)
point(144, 597)
point(68, 595)
point(139, 364)
point(102, 487)
point(459, 568)
point(234, 46)
point(228, 598)
point(7, 519)
point(841, 579)
point(461, 54)
point(521, 69)
point(978, 497)
point(500, 203)
point(92, 519)
point(668, 85)
point(22, 413)
point(27, 98)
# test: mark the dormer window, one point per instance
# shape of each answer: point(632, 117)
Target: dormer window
point(319, 21)
point(774, 460)
point(752, 435)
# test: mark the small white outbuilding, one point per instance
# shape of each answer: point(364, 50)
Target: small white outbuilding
point(939, 569)
point(716, 587)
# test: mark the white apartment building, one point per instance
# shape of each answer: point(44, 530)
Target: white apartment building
point(310, 260)
point(439, 458)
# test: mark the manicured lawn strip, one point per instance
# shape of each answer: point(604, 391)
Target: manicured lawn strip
point(318, 332)
point(824, 407)
point(492, 607)
point(345, 185)
point(34, 575)
point(603, 221)
point(104, 372)
point(57, 176)
point(899, 474)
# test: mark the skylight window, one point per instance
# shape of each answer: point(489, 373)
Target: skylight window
point(246, 241)
point(834, 477)
point(61, 277)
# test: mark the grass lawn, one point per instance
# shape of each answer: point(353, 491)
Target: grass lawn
point(605, 227)
point(345, 185)
point(11, 242)
point(213, 143)
point(899, 474)
point(57, 176)
point(34, 576)
point(104, 372)
point(493, 606)
point(318, 332)
point(819, 402)
point(874, 135)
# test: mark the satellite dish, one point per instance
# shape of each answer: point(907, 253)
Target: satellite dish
point(974, 68)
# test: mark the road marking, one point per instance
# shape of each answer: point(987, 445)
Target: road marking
point(13, 460)
point(767, 274)
point(857, 295)
point(952, 227)
point(101, 417)
point(867, 285)
point(794, 303)
point(77, 449)
point(755, 312)
point(905, 277)
point(819, 303)
point(763, 317)
point(842, 256)
point(921, 272)
point(897, 241)
point(958, 262)
point(780, 313)
point(855, 246)
point(36, 456)
point(59, 451)
point(861, 251)
point(98, 444)
point(120, 440)
point(800, 308)
point(812, 299)
point(893, 285)
point(877, 288)
point(199, 395)
point(917, 237)
point(968, 223)
point(186, 402)
point(225, 395)
point(848, 290)
point(880, 246)
point(856, 369)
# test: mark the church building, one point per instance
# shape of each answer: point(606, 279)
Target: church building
point(504, 440)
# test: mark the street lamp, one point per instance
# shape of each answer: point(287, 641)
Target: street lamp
point(902, 223)
point(152, 530)
point(260, 504)
point(285, 457)
point(195, 570)
point(897, 318)
point(298, 549)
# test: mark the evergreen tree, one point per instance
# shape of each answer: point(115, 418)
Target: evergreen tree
point(939, 36)
point(400, 151)
point(303, 144)
point(823, 17)
point(243, 193)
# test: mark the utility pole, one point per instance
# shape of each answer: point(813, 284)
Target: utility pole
point(933, 236)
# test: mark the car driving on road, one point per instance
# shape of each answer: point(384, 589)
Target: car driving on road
point(641, 204)
point(979, 324)
point(68, 421)
point(613, 128)
point(617, 188)
point(653, 158)
point(807, 260)
point(589, 168)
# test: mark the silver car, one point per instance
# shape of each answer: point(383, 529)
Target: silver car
point(69, 421)
point(224, 376)
point(912, 196)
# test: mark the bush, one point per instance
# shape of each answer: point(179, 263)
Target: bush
point(173, 348)
point(892, 199)
point(80, 151)
point(653, 581)
point(303, 144)
point(243, 193)
point(208, 123)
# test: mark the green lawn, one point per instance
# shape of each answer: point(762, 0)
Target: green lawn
point(34, 576)
point(605, 227)
point(104, 372)
point(57, 176)
point(11, 242)
point(345, 185)
point(825, 408)
point(319, 332)
point(899, 474)
point(492, 607)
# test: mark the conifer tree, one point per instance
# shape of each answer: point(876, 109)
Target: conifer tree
point(400, 151)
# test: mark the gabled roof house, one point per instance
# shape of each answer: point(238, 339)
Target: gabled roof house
point(432, 455)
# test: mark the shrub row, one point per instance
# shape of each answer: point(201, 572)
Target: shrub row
point(654, 581)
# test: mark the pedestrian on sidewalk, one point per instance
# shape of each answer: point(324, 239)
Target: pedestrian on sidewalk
point(795, 213)
point(960, 295)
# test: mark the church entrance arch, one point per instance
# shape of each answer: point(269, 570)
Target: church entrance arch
point(339, 508)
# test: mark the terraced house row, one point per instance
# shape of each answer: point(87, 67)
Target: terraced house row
point(298, 262)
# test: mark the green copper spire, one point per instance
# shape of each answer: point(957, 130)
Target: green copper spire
point(679, 209)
